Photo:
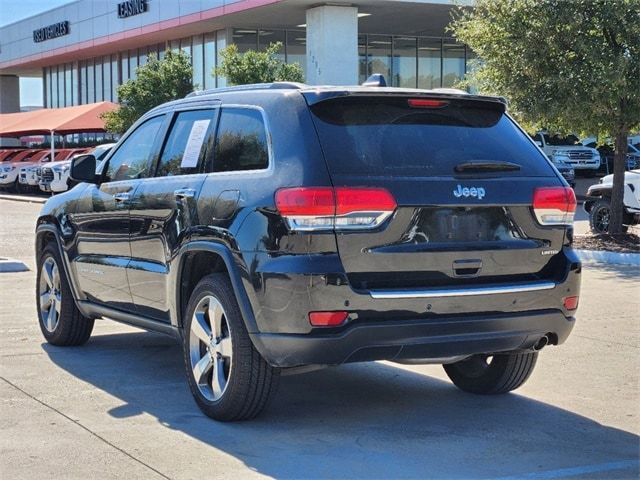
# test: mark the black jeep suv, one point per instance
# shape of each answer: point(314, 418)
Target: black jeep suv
point(280, 228)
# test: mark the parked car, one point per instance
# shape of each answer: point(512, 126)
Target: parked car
point(607, 151)
point(565, 170)
point(573, 153)
point(9, 170)
point(598, 202)
point(279, 228)
point(54, 177)
point(28, 176)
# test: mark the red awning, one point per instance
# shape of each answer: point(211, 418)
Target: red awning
point(80, 119)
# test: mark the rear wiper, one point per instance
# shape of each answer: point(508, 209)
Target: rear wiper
point(486, 166)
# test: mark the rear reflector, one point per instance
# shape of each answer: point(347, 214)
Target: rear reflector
point(571, 303)
point(554, 205)
point(341, 208)
point(327, 319)
point(426, 103)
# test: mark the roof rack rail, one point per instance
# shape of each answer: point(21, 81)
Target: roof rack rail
point(249, 87)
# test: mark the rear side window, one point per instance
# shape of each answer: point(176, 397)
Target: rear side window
point(241, 141)
point(385, 137)
point(187, 143)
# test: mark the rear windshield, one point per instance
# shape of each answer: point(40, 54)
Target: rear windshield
point(384, 136)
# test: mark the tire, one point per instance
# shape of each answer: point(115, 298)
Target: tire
point(491, 375)
point(16, 188)
point(600, 215)
point(244, 381)
point(60, 321)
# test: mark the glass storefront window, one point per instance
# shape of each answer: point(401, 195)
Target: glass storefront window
point(362, 59)
point(185, 46)
point(379, 55)
point(91, 87)
point(267, 37)
point(404, 62)
point(209, 60)
point(297, 48)
point(61, 86)
point(106, 78)
point(197, 60)
point(245, 39)
point(124, 66)
point(429, 62)
point(68, 85)
point(98, 77)
point(75, 84)
point(453, 63)
point(133, 63)
point(114, 78)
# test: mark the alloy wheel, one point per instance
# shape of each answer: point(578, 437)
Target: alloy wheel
point(50, 294)
point(210, 348)
point(601, 219)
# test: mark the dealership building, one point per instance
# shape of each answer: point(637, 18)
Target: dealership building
point(84, 49)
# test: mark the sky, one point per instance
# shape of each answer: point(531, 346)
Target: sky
point(12, 11)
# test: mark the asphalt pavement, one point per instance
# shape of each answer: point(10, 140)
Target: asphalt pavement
point(119, 407)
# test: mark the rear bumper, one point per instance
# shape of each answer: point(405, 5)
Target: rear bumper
point(427, 338)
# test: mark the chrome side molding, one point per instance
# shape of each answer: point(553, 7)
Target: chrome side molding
point(462, 292)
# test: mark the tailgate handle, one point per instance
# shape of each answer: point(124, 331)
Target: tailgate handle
point(467, 267)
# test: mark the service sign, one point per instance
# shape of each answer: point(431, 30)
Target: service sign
point(131, 7)
point(52, 31)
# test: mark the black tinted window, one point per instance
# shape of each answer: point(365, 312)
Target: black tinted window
point(241, 141)
point(187, 143)
point(133, 157)
point(384, 136)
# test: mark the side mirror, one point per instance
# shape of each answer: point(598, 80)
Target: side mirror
point(83, 169)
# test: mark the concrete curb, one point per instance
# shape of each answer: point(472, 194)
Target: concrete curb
point(23, 198)
point(9, 265)
point(614, 258)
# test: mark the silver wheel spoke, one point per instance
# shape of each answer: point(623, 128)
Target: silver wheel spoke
point(45, 300)
point(57, 304)
point(201, 368)
point(224, 347)
point(218, 382)
point(215, 313)
point(55, 277)
point(51, 317)
point(200, 328)
point(48, 270)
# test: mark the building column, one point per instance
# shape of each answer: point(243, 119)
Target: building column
point(332, 45)
point(9, 94)
point(9, 102)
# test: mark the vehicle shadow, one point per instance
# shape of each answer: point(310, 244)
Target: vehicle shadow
point(627, 273)
point(356, 421)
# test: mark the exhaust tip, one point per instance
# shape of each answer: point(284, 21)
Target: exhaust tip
point(540, 344)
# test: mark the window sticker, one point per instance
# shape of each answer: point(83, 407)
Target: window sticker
point(194, 144)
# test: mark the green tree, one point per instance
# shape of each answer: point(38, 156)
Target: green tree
point(257, 67)
point(156, 82)
point(571, 65)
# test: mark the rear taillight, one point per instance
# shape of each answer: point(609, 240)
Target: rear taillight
point(327, 319)
point(341, 208)
point(570, 303)
point(554, 205)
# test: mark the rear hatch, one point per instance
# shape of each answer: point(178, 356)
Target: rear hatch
point(463, 176)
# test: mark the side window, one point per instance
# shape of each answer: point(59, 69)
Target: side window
point(187, 143)
point(537, 138)
point(241, 141)
point(133, 157)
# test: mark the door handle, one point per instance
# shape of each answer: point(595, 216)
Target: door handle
point(122, 197)
point(184, 193)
